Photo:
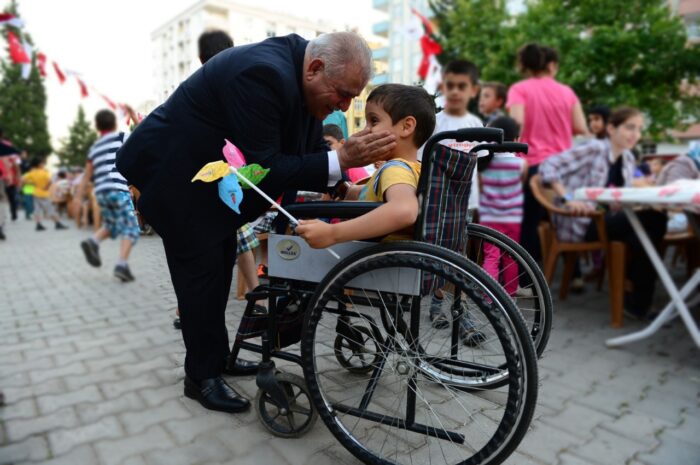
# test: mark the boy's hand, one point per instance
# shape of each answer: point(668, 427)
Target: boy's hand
point(318, 234)
point(365, 148)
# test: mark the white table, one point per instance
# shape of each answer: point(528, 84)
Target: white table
point(682, 195)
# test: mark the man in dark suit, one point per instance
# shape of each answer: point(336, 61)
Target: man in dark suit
point(268, 99)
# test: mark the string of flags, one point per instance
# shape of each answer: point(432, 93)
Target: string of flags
point(21, 54)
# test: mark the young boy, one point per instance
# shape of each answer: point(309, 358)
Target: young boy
point(460, 84)
point(597, 120)
point(491, 100)
point(333, 135)
point(39, 177)
point(409, 113)
point(113, 197)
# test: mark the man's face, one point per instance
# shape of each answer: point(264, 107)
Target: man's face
point(325, 94)
point(458, 90)
point(488, 102)
point(596, 124)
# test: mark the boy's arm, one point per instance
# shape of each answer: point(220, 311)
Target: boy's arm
point(87, 175)
point(399, 212)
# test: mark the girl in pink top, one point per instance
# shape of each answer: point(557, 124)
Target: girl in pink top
point(549, 114)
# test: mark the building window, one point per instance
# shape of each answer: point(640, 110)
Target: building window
point(358, 104)
point(357, 121)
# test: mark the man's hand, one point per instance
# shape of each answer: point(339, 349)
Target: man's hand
point(364, 148)
point(318, 234)
point(578, 207)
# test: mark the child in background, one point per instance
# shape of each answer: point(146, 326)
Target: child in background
point(501, 204)
point(597, 120)
point(39, 177)
point(492, 100)
point(409, 113)
point(333, 135)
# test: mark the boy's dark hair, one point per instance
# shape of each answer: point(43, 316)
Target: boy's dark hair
point(463, 67)
point(400, 101)
point(602, 110)
point(35, 162)
point(499, 88)
point(621, 114)
point(511, 129)
point(105, 120)
point(534, 57)
point(334, 131)
point(212, 42)
point(61, 174)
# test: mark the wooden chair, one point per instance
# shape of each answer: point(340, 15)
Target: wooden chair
point(552, 248)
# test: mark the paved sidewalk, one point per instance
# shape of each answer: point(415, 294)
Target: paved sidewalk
point(92, 372)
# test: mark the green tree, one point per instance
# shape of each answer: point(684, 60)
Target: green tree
point(80, 138)
point(634, 53)
point(23, 103)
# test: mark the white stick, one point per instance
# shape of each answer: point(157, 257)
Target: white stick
point(272, 202)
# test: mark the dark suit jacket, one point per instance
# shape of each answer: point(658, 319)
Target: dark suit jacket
point(251, 95)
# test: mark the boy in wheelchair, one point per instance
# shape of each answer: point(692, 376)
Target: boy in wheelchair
point(409, 113)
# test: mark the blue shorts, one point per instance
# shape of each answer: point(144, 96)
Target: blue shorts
point(118, 214)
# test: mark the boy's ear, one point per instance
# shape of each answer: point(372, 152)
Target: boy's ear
point(341, 141)
point(408, 126)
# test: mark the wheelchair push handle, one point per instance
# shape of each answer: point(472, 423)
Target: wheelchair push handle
point(505, 147)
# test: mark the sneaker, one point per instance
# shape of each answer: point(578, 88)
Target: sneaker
point(92, 252)
point(437, 318)
point(60, 225)
point(262, 271)
point(40, 227)
point(523, 292)
point(577, 286)
point(470, 336)
point(124, 273)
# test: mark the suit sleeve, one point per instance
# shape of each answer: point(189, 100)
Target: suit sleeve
point(257, 106)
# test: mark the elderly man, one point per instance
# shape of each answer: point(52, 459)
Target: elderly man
point(268, 99)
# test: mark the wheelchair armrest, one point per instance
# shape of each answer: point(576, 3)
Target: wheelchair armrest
point(343, 210)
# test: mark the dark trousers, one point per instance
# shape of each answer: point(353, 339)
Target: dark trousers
point(533, 213)
point(639, 269)
point(202, 283)
point(12, 197)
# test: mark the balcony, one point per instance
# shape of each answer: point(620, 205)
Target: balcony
point(381, 29)
point(381, 5)
point(380, 54)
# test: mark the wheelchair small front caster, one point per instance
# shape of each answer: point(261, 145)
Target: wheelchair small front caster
point(280, 422)
point(359, 353)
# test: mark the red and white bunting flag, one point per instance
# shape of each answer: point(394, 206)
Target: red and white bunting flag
point(111, 104)
point(18, 54)
point(59, 74)
point(8, 19)
point(83, 87)
point(429, 46)
point(27, 67)
point(41, 63)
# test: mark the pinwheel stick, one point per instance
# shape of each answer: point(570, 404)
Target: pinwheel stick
point(272, 202)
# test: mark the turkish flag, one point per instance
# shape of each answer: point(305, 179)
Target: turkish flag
point(111, 104)
point(83, 88)
point(41, 61)
point(17, 52)
point(59, 73)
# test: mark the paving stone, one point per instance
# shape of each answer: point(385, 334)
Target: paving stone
point(136, 369)
point(186, 430)
point(546, 442)
point(34, 448)
point(40, 376)
point(81, 455)
point(135, 422)
point(157, 396)
point(577, 420)
point(567, 458)
point(63, 440)
point(609, 448)
point(79, 356)
point(21, 428)
point(115, 389)
point(53, 386)
point(118, 360)
point(129, 402)
point(202, 450)
point(51, 403)
point(25, 408)
point(641, 428)
point(672, 450)
point(115, 451)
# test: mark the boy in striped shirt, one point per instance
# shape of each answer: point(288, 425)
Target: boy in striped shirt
point(112, 194)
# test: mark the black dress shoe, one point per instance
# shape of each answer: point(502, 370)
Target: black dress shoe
point(242, 368)
point(215, 394)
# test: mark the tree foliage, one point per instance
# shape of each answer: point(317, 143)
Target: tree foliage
point(80, 138)
point(23, 103)
point(633, 53)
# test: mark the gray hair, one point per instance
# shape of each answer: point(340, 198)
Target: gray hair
point(340, 49)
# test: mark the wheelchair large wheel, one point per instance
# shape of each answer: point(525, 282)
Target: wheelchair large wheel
point(425, 399)
point(526, 281)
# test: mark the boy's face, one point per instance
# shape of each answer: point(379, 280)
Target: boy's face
point(379, 120)
point(458, 90)
point(655, 165)
point(334, 143)
point(628, 133)
point(596, 124)
point(488, 102)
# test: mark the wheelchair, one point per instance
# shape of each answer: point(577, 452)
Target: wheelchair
point(391, 388)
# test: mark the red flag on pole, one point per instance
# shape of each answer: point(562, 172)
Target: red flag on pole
point(111, 104)
point(59, 73)
point(41, 62)
point(11, 20)
point(429, 46)
point(18, 54)
point(83, 88)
